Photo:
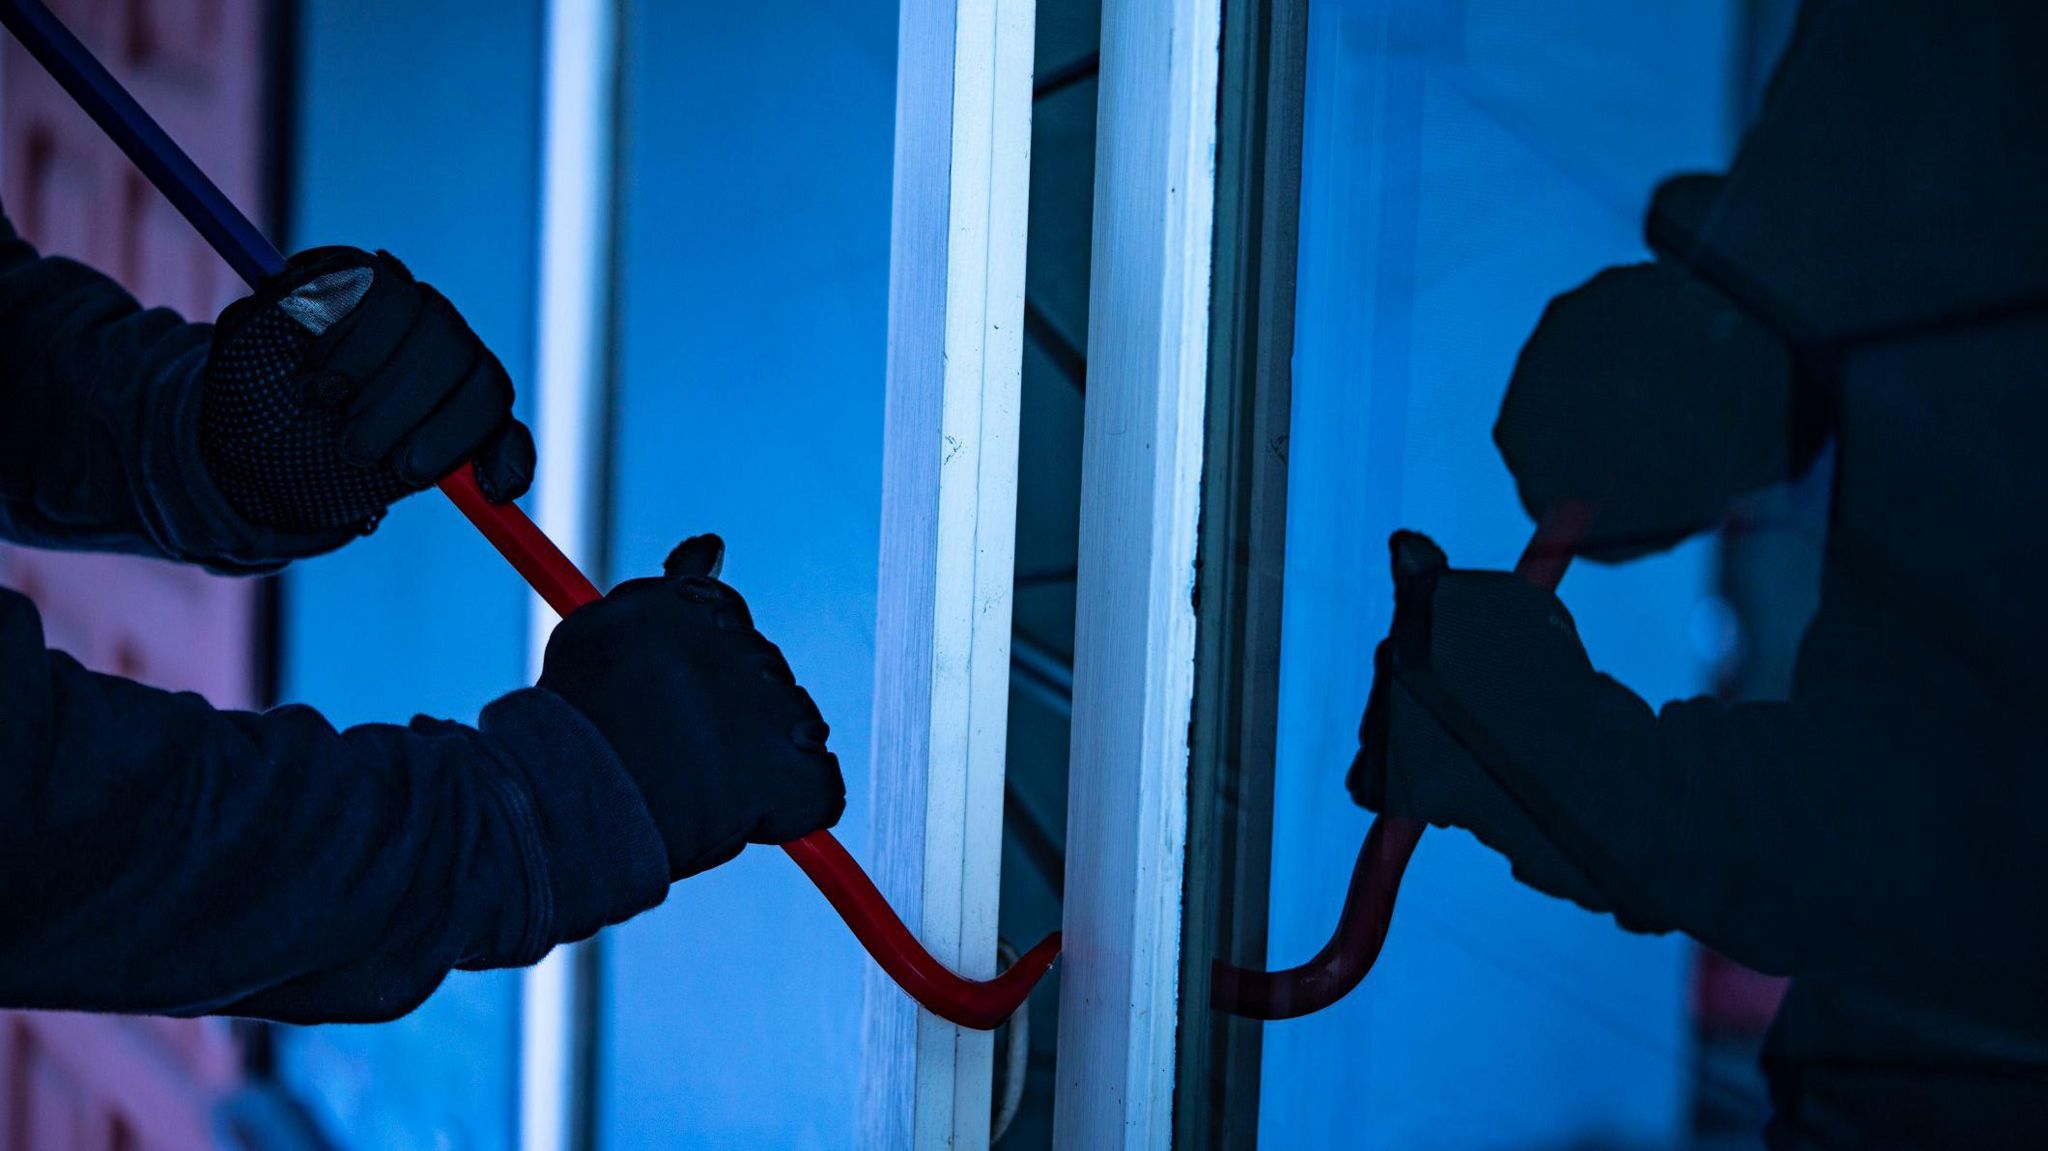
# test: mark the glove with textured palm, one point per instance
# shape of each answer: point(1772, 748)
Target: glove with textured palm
point(343, 384)
point(703, 711)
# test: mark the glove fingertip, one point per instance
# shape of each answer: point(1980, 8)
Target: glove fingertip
point(398, 265)
point(1415, 554)
point(504, 468)
point(699, 555)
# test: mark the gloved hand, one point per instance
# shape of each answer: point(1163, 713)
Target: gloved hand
point(1648, 393)
point(343, 384)
point(1476, 664)
point(726, 749)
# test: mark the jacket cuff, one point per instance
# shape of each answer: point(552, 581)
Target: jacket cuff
point(590, 850)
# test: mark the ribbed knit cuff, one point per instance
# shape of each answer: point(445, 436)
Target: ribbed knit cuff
point(589, 845)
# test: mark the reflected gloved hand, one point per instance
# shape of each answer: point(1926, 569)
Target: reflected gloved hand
point(726, 749)
point(1476, 663)
point(1648, 393)
point(343, 384)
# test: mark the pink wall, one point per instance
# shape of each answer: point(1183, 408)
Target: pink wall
point(86, 1083)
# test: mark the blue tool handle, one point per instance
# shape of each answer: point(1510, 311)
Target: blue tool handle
point(74, 68)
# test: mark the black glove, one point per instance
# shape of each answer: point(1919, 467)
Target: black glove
point(1649, 394)
point(727, 750)
point(1477, 663)
point(343, 384)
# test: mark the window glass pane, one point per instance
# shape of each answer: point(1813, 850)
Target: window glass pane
point(752, 341)
point(1461, 164)
point(413, 130)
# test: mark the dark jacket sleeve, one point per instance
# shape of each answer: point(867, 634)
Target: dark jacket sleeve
point(99, 411)
point(159, 855)
point(1888, 184)
point(1864, 828)
point(1799, 838)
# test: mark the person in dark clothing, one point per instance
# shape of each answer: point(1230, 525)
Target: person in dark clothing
point(1871, 274)
point(160, 855)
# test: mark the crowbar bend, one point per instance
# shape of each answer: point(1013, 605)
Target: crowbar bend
point(1376, 878)
point(970, 1003)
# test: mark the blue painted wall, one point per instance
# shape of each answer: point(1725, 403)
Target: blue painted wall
point(756, 252)
point(1464, 161)
point(755, 273)
point(416, 130)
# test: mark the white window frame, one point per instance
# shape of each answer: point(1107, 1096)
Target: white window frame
point(1134, 634)
point(949, 505)
point(963, 127)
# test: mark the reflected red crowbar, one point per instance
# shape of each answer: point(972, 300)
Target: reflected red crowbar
point(967, 1002)
point(1382, 859)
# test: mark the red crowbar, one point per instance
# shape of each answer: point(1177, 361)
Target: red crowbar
point(820, 854)
point(1376, 878)
point(967, 1002)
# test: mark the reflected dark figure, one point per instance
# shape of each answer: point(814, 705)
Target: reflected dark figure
point(160, 855)
point(1871, 274)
